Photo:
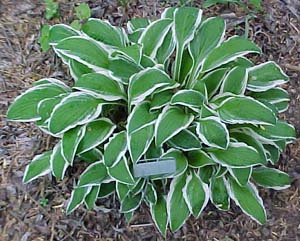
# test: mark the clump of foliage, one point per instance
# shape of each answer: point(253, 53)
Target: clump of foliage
point(51, 9)
point(171, 88)
point(51, 12)
point(82, 12)
point(44, 38)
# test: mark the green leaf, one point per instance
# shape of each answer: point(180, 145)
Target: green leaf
point(272, 152)
point(91, 197)
point(186, 21)
point(219, 194)
point(199, 158)
point(218, 99)
point(239, 62)
point(153, 36)
point(265, 76)
point(75, 109)
point(235, 81)
point(100, 85)
point(151, 195)
point(90, 53)
point(168, 12)
point(146, 82)
point(280, 131)
point(59, 32)
point(39, 166)
point(236, 155)
point(189, 98)
point(140, 117)
point(170, 122)
point(131, 202)
point(273, 96)
point(51, 9)
point(97, 132)
point(83, 11)
point(207, 112)
point(115, 149)
point(181, 161)
point(94, 175)
point(57, 162)
point(273, 107)
point(248, 199)
point(245, 110)
point(52, 81)
point(78, 69)
point(159, 214)
point(128, 216)
point(139, 141)
point(220, 171)
point(153, 151)
point(77, 197)
point(212, 81)
point(138, 187)
point(241, 175)
point(106, 189)
point(196, 194)
point(122, 190)
point(91, 156)
point(122, 67)
point(76, 24)
point(271, 178)
point(121, 173)
point(177, 208)
point(133, 52)
point(166, 48)
point(185, 140)
point(104, 32)
point(186, 68)
point(160, 99)
point(137, 23)
point(229, 50)
point(70, 141)
point(44, 38)
point(147, 62)
point(250, 140)
point(135, 35)
point(45, 108)
point(25, 107)
point(280, 144)
point(206, 173)
point(282, 106)
point(213, 132)
point(205, 41)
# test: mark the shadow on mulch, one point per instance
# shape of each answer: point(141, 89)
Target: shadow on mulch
point(22, 215)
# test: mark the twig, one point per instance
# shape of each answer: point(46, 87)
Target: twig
point(141, 225)
point(292, 67)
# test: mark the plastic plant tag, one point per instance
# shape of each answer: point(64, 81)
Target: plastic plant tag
point(155, 166)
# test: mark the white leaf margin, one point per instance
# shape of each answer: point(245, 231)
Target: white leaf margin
point(87, 119)
point(162, 115)
point(203, 138)
point(254, 191)
point(186, 198)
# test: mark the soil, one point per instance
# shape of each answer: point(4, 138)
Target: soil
point(36, 211)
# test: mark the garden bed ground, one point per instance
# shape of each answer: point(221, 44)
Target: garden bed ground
point(24, 215)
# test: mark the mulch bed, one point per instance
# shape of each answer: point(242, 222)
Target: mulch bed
point(22, 215)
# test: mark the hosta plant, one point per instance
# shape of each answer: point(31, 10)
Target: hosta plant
point(173, 89)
